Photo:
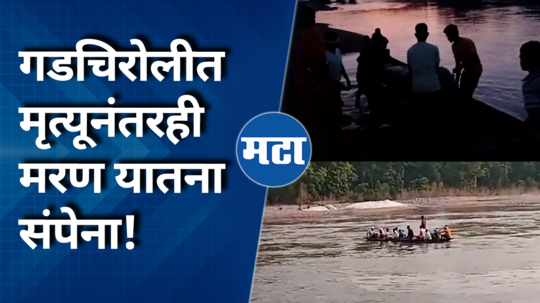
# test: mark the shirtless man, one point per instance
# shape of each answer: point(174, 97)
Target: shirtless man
point(423, 223)
point(468, 65)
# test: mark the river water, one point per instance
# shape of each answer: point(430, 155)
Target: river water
point(498, 28)
point(494, 258)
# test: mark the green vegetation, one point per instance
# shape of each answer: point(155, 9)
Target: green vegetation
point(361, 181)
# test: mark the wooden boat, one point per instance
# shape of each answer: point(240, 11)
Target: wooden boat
point(415, 240)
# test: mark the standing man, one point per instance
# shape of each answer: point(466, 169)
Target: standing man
point(335, 63)
point(468, 65)
point(423, 60)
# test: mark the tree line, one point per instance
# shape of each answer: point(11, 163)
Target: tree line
point(391, 180)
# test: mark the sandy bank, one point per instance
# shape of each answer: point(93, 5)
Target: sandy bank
point(374, 205)
point(418, 205)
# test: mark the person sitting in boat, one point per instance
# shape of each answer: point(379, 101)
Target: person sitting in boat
point(428, 236)
point(402, 234)
point(423, 223)
point(436, 236)
point(447, 233)
point(382, 233)
point(396, 233)
point(371, 233)
point(410, 233)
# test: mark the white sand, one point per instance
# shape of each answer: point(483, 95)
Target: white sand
point(375, 204)
point(331, 207)
point(317, 208)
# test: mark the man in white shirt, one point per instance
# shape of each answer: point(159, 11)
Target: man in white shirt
point(428, 235)
point(370, 232)
point(423, 61)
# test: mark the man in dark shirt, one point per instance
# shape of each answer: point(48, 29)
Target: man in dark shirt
point(436, 235)
point(410, 233)
point(423, 223)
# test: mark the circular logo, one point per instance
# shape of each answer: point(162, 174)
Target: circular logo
point(273, 149)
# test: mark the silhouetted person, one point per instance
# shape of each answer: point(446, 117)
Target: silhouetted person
point(379, 41)
point(364, 69)
point(335, 63)
point(530, 62)
point(468, 65)
point(423, 223)
point(371, 62)
point(423, 61)
point(380, 53)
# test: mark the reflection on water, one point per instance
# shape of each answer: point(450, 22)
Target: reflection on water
point(498, 28)
point(494, 258)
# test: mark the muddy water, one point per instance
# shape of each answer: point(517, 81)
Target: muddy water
point(498, 27)
point(494, 258)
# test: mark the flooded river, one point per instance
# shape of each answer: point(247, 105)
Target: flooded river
point(498, 28)
point(494, 258)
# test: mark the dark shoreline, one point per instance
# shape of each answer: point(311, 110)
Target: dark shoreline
point(349, 42)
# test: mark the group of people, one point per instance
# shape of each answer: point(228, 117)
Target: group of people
point(313, 88)
point(423, 60)
point(400, 234)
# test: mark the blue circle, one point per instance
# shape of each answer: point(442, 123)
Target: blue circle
point(276, 130)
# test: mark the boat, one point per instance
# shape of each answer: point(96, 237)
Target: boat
point(415, 240)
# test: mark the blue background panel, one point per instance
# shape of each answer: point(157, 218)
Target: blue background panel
point(190, 247)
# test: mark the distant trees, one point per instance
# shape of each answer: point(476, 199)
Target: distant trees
point(380, 180)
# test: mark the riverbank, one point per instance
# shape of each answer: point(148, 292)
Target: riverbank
point(291, 213)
